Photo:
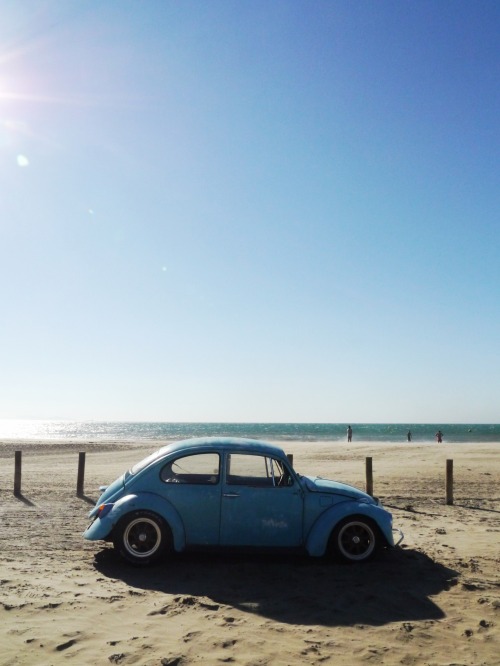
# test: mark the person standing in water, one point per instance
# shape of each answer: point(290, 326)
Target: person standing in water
point(439, 437)
point(409, 435)
point(349, 434)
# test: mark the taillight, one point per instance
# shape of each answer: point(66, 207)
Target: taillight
point(103, 510)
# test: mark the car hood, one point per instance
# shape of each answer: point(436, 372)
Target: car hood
point(316, 484)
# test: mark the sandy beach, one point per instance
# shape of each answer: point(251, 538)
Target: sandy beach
point(435, 600)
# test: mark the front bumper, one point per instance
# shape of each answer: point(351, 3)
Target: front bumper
point(401, 536)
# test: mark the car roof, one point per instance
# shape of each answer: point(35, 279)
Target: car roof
point(222, 443)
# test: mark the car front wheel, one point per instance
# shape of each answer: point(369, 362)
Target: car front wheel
point(355, 539)
point(142, 537)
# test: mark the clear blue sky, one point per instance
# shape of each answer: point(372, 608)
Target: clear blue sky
point(260, 210)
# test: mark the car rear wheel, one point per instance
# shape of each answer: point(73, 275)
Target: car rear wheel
point(142, 537)
point(355, 539)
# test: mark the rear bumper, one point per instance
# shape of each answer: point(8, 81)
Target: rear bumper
point(98, 530)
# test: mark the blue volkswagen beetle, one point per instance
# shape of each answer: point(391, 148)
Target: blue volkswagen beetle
point(238, 493)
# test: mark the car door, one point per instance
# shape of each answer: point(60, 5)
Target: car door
point(192, 484)
point(262, 503)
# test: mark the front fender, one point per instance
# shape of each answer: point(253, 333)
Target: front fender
point(102, 528)
point(319, 534)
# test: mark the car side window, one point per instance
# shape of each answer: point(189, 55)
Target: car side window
point(254, 470)
point(199, 468)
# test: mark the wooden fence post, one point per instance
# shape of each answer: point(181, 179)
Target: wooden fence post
point(449, 482)
point(81, 473)
point(290, 458)
point(17, 472)
point(369, 476)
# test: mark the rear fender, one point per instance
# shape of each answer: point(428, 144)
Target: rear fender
point(319, 534)
point(102, 528)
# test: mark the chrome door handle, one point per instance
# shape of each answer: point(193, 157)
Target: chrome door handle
point(230, 495)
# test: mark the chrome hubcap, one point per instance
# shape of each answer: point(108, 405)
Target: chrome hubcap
point(142, 537)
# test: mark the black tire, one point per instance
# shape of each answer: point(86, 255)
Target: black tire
point(355, 539)
point(142, 537)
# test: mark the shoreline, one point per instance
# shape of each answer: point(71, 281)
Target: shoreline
point(138, 442)
point(158, 432)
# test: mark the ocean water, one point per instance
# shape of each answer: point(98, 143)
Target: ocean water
point(93, 431)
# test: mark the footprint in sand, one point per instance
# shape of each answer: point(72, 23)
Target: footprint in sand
point(65, 646)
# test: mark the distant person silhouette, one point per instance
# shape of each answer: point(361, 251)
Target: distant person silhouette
point(349, 434)
point(439, 436)
point(409, 435)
